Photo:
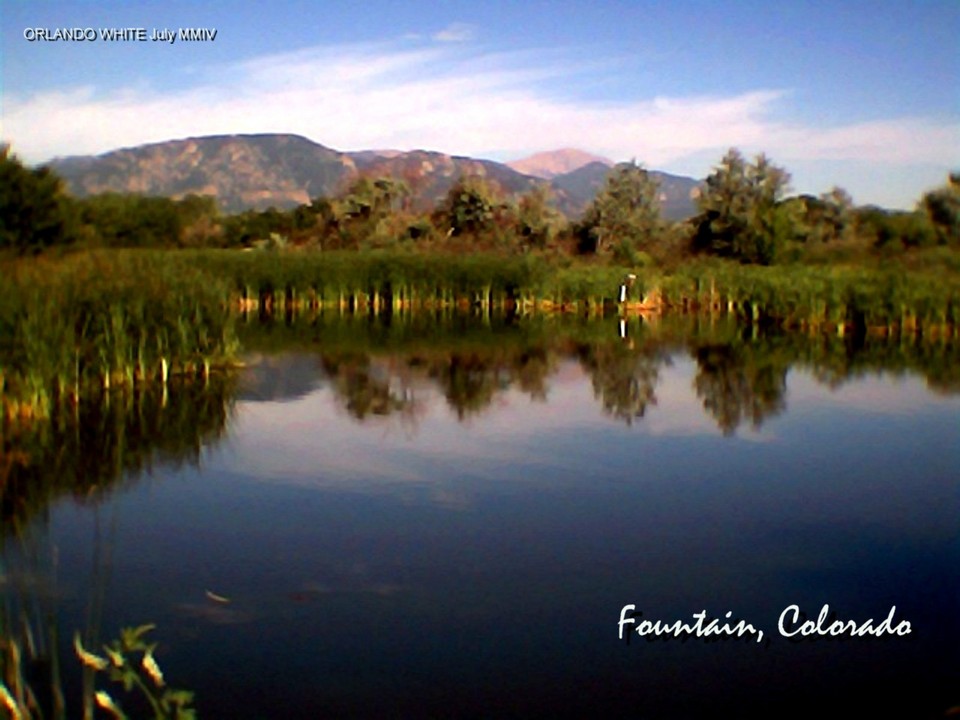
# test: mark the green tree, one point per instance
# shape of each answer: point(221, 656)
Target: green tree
point(471, 207)
point(942, 206)
point(364, 212)
point(823, 219)
point(373, 198)
point(624, 217)
point(740, 209)
point(724, 205)
point(35, 211)
point(133, 220)
point(893, 230)
point(252, 228)
point(838, 215)
point(538, 223)
point(199, 220)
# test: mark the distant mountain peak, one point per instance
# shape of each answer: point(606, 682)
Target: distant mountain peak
point(550, 164)
point(257, 171)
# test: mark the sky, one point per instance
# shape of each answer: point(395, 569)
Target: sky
point(861, 95)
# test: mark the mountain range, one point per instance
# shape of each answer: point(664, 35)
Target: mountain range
point(275, 170)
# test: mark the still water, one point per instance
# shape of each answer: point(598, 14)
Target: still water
point(447, 520)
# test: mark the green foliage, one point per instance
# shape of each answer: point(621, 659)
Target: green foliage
point(251, 228)
point(200, 221)
point(538, 223)
point(942, 207)
point(625, 215)
point(825, 219)
point(131, 221)
point(471, 207)
point(419, 229)
point(740, 215)
point(363, 213)
point(105, 318)
point(130, 663)
point(35, 212)
point(374, 198)
point(837, 217)
point(890, 231)
point(74, 327)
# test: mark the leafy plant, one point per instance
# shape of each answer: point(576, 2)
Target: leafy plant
point(130, 662)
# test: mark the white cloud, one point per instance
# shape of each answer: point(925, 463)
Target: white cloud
point(454, 33)
point(437, 97)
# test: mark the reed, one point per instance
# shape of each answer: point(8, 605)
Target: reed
point(96, 321)
point(389, 281)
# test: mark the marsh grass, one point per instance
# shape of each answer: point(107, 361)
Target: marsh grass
point(91, 322)
point(896, 299)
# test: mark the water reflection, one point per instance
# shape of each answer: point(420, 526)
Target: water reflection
point(85, 453)
point(106, 442)
point(402, 369)
point(738, 383)
point(624, 376)
point(449, 517)
point(379, 370)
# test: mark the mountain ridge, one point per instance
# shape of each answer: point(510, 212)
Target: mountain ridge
point(257, 171)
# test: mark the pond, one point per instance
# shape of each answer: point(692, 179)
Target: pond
point(451, 517)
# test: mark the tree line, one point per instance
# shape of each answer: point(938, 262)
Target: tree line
point(744, 214)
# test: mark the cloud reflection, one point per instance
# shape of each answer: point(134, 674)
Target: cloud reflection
point(312, 441)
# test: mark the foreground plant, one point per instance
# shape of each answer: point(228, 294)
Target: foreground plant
point(130, 662)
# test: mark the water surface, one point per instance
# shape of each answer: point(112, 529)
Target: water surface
point(426, 520)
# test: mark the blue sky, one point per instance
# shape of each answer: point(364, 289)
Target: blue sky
point(861, 95)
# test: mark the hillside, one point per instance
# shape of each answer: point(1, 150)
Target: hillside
point(241, 171)
point(259, 171)
point(430, 175)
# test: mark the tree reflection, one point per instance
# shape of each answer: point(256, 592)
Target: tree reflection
point(740, 383)
point(363, 393)
point(741, 371)
point(532, 369)
point(469, 382)
point(378, 371)
point(370, 386)
point(624, 379)
point(367, 387)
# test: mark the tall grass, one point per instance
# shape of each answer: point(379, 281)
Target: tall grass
point(95, 321)
point(890, 299)
point(102, 319)
point(790, 295)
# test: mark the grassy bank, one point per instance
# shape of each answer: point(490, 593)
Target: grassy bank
point(893, 298)
point(88, 322)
